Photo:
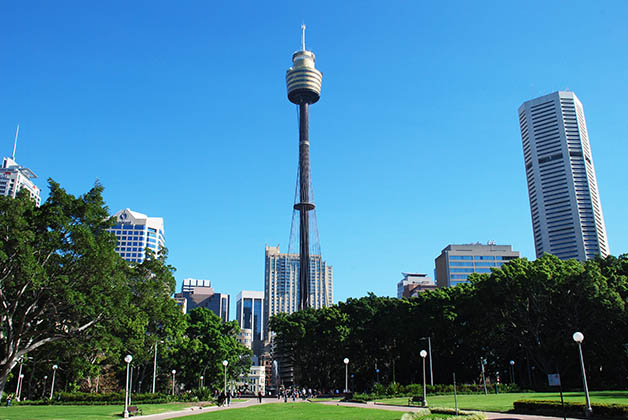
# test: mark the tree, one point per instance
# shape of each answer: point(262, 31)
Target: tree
point(206, 343)
point(59, 273)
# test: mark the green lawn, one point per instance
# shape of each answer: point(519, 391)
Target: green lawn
point(87, 412)
point(503, 402)
point(290, 411)
point(300, 411)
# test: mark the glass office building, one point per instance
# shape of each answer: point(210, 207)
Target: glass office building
point(457, 262)
point(136, 232)
point(250, 312)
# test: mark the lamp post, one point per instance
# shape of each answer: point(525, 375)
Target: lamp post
point(423, 355)
point(512, 371)
point(155, 365)
point(429, 352)
point(174, 372)
point(578, 337)
point(19, 375)
point(202, 377)
point(54, 373)
point(346, 361)
point(482, 363)
point(225, 363)
point(43, 389)
point(127, 359)
point(20, 383)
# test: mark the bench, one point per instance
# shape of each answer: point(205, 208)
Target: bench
point(134, 410)
point(418, 400)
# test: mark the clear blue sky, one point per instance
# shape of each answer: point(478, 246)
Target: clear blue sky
point(180, 110)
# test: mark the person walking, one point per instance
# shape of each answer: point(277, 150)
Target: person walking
point(259, 396)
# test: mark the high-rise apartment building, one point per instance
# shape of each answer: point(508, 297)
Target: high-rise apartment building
point(250, 312)
point(567, 218)
point(281, 286)
point(14, 177)
point(456, 262)
point(136, 232)
point(199, 294)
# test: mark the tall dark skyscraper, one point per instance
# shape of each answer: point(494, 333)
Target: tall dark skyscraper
point(304, 88)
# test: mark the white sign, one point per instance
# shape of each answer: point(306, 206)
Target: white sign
point(553, 379)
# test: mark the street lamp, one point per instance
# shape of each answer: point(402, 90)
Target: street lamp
point(174, 372)
point(127, 359)
point(155, 365)
point(429, 351)
point(578, 337)
point(423, 355)
point(512, 371)
point(225, 363)
point(19, 375)
point(43, 389)
point(346, 361)
point(20, 383)
point(54, 373)
point(202, 377)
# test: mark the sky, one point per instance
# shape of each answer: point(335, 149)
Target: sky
point(180, 110)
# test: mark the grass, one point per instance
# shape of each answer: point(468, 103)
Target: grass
point(300, 411)
point(503, 402)
point(86, 412)
point(291, 411)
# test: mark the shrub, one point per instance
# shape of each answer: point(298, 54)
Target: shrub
point(571, 408)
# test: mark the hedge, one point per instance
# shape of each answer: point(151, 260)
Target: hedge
point(554, 408)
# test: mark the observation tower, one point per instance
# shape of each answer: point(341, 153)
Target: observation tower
point(304, 88)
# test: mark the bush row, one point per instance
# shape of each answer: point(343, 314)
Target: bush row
point(554, 408)
point(112, 398)
point(396, 390)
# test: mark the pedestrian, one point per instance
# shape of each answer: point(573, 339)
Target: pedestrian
point(228, 398)
point(259, 396)
point(9, 400)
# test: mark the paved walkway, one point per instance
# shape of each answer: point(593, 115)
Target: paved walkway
point(191, 411)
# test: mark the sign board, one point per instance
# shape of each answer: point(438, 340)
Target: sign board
point(553, 379)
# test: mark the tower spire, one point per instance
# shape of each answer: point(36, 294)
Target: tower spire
point(303, 37)
point(17, 130)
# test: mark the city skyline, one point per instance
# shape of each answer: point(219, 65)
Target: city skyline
point(418, 142)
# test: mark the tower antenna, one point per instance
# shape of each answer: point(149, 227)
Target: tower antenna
point(303, 37)
point(17, 130)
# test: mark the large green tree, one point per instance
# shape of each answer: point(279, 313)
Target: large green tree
point(59, 273)
point(208, 341)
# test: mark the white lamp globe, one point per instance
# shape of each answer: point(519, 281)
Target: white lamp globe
point(346, 360)
point(423, 353)
point(128, 358)
point(225, 363)
point(578, 337)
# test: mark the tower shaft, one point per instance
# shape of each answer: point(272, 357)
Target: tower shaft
point(304, 206)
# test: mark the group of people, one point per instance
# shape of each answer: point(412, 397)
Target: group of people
point(295, 394)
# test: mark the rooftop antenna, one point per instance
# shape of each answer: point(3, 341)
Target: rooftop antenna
point(17, 130)
point(303, 37)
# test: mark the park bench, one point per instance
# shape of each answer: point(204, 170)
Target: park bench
point(134, 410)
point(418, 400)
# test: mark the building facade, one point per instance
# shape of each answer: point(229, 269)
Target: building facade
point(413, 284)
point(250, 315)
point(456, 262)
point(14, 178)
point(199, 293)
point(136, 232)
point(567, 219)
point(281, 289)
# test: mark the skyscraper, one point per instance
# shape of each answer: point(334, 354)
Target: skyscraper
point(456, 262)
point(567, 218)
point(281, 286)
point(14, 177)
point(136, 232)
point(250, 316)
